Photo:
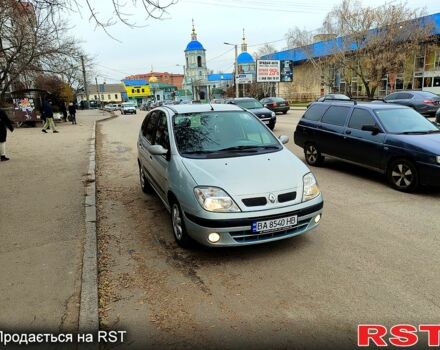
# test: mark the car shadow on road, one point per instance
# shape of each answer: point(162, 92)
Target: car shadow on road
point(372, 176)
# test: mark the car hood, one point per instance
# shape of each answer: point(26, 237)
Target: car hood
point(429, 143)
point(264, 173)
point(261, 112)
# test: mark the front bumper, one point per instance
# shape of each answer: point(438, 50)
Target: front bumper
point(237, 231)
point(429, 174)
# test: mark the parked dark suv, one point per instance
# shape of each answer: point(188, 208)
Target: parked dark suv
point(395, 140)
point(424, 102)
point(252, 105)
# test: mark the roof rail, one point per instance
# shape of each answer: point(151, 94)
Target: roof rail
point(339, 99)
point(172, 108)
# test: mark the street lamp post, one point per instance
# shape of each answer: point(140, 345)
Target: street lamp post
point(236, 68)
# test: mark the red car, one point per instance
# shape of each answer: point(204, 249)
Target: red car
point(276, 104)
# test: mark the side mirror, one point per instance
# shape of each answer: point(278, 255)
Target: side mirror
point(157, 150)
point(284, 139)
point(372, 128)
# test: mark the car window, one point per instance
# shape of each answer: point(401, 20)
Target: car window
point(222, 134)
point(315, 112)
point(150, 128)
point(144, 123)
point(336, 115)
point(249, 104)
point(162, 135)
point(403, 96)
point(391, 97)
point(359, 118)
point(404, 120)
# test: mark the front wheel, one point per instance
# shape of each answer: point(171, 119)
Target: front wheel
point(178, 224)
point(313, 155)
point(145, 185)
point(402, 175)
point(271, 126)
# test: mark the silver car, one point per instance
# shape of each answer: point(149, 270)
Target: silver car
point(224, 177)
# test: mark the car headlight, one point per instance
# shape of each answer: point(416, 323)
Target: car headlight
point(215, 199)
point(273, 114)
point(311, 189)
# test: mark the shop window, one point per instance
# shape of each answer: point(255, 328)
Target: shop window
point(427, 82)
point(420, 62)
point(436, 82)
point(116, 96)
point(418, 83)
point(137, 90)
point(399, 84)
point(143, 90)
point(132, 91)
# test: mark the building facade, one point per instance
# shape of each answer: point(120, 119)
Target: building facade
point(419, 72)
point(102, 94)
point(138, 90)
point(163, 77)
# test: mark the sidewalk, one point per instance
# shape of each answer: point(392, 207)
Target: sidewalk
point(42, 225)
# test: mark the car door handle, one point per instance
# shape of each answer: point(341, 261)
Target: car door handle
point(348, 132)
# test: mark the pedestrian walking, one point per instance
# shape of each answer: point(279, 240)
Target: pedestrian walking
point(47, 113)
point(64, 111)
point(5, 124)
point(72, 112)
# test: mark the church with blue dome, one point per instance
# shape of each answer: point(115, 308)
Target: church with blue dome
point(196, 72)
point(245, 61)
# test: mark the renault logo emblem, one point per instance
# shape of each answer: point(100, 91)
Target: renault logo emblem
point(272, 198)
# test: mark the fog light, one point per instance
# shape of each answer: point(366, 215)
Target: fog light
point(317, 218)
point(213, 237)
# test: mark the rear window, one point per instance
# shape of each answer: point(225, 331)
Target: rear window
point(404, 96)
point(336, 115)
point(315, 112)
point(278, 99)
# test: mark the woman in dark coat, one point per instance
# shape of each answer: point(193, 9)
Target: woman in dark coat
point(5, 123)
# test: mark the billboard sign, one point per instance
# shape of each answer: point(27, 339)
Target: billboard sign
point(245, 78)
point(268, 71)
point(286, 71)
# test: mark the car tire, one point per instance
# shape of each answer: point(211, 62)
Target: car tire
point(178, 225)
point(313, 155)
point(271, 126)
point(402, 175)
point(145, 185)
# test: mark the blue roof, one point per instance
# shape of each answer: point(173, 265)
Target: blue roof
point(135, 82)
point(325, 48)
point(220, 76)
point(194, 45)
point(245, 58)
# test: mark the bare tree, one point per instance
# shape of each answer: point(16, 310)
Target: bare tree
point(297, 37)
point(266, 49)
point(374, 42)
point(32, 42)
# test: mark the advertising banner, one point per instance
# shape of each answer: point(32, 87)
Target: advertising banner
point(245, 78)
point(286, 71)
point(268, 71)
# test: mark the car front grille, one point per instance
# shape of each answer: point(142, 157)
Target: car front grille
point(254, 202)
point(249, 236)
point(286, 197)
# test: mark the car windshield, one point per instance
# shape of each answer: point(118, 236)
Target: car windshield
point(222, 134)
point(405, 121)
point(249, 104)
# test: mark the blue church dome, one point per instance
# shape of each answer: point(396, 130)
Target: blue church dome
point(194, 45)
point(245, 58)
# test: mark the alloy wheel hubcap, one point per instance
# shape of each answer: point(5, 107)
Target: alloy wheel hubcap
point(402, 175)
point(177, 222)
point(312, 154)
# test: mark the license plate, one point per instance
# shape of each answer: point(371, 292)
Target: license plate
point(275, 224)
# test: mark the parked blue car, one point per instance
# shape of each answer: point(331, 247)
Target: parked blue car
point(395, 140)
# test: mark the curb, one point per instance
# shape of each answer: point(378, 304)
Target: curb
point(88, 314)
point(88, 309)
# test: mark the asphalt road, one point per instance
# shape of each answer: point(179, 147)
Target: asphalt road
point(373, 259)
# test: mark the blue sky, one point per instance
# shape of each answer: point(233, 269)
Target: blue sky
point(159, 44)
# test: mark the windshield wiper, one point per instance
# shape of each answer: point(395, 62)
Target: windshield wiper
point(247, 148)
point(198, 152)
